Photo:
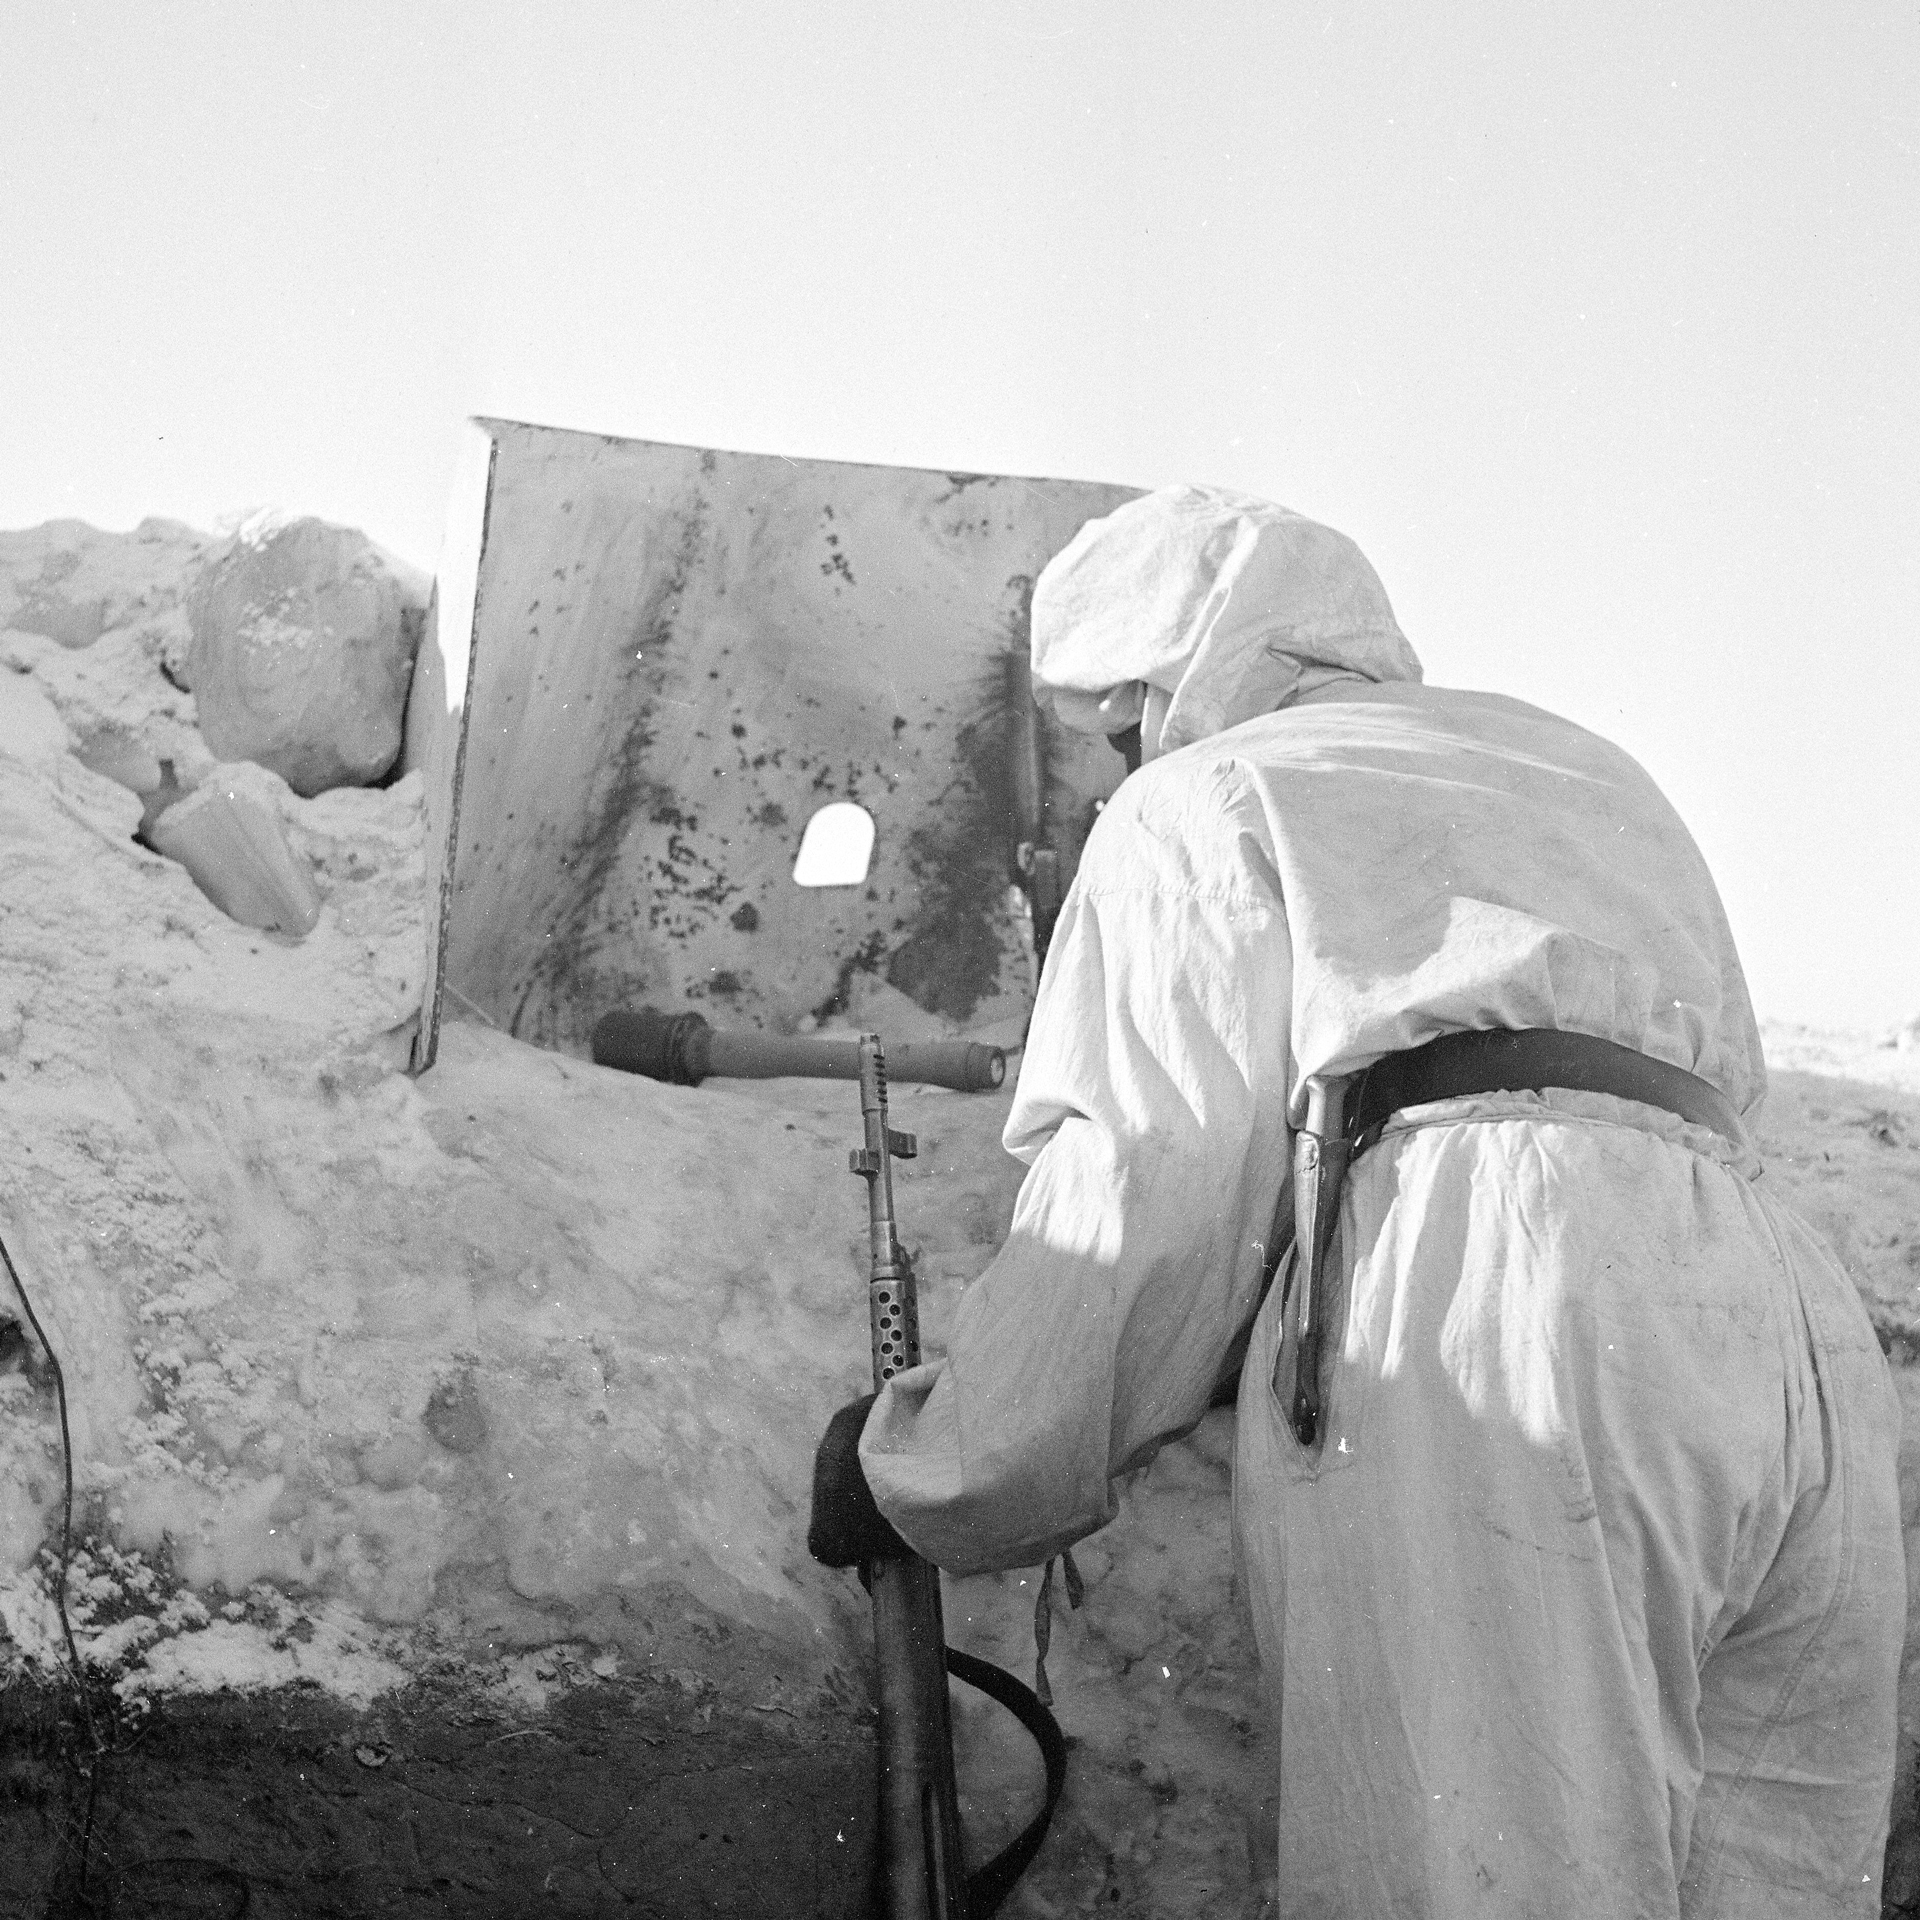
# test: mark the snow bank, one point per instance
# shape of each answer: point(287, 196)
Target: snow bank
point(408, 1346)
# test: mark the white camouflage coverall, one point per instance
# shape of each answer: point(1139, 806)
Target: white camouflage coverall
point(1589, 1599)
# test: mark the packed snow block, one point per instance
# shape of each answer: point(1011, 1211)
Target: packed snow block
point(303, 643)
point(227, 834)
point(650, 666)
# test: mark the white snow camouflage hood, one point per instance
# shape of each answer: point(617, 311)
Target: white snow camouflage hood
point(1220, 601)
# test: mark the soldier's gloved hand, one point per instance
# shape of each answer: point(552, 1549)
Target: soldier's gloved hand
point(847, 1529)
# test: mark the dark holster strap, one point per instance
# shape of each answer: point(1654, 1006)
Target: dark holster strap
point(1527, 1060)
point(988, 1886)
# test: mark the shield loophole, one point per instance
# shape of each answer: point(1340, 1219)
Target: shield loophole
point(837, 847)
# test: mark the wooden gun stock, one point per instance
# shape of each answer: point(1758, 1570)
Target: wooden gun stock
point(919, 1805)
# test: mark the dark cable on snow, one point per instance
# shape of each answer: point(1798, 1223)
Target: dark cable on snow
point(66, 1511)
point(92, 1770)
point(203, 1872)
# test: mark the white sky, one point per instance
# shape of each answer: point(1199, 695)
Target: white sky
point(1597, 327)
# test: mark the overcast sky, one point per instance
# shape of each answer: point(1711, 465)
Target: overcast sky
point(1597, 327)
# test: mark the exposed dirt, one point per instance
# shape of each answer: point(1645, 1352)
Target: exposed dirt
point(631, 1800)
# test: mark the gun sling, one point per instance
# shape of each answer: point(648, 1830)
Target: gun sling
point(1346, 1112)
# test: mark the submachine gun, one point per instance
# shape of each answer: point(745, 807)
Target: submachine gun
point(919, 1808)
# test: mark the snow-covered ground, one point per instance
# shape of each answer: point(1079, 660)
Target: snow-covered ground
point(518, 1366)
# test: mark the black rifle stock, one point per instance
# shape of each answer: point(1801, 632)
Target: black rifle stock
point(919, 1806)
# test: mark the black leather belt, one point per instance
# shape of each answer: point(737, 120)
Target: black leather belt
point(1345, 1113)
point(1527, 1060)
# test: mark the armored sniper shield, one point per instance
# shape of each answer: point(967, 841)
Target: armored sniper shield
point(649, 666)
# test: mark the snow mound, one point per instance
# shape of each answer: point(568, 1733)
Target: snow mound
point(303, 641)
point(72, 584)
point(100, 621)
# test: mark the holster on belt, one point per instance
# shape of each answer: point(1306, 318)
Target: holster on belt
point(1321, 1151)
point(1345, 1113)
